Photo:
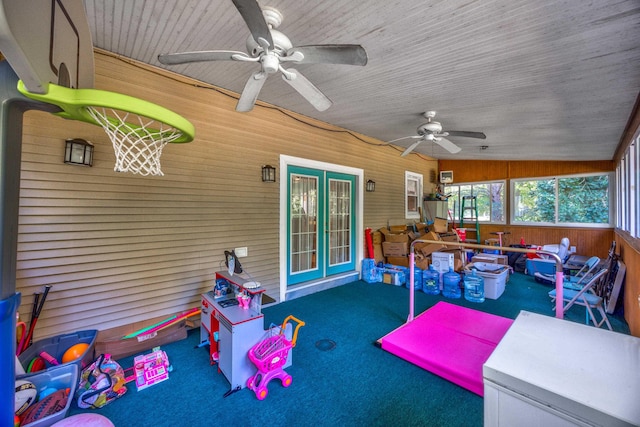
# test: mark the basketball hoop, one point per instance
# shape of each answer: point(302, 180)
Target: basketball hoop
point(138, 130)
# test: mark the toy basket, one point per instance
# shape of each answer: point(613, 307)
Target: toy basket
point(269, 356)
point(270, 353)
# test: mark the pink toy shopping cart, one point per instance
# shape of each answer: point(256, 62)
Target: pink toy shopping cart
point(269, 356)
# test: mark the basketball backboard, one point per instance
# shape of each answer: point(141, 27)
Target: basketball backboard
point(47, 41)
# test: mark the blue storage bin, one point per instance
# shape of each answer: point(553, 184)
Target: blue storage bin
point(60, 378)
point(58, 345)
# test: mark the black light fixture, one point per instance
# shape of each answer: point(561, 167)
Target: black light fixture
point(78, 152)
point(268, 173)
point(371, 186)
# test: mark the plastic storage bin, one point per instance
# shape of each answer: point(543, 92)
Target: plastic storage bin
point(58, 345)
point(60, 378)
point(494, 283)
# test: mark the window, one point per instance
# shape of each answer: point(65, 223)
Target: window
point(413, 194)
point(490, 200)
point(578, 200)
point(627, 192)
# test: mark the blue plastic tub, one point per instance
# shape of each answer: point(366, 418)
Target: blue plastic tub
point(58, 378)
point(58, 345)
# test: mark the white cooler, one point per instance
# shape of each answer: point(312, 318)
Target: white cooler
point(550, 372)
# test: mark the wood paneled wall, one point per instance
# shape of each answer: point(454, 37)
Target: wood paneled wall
point(591, 241)
point(120, 248)
point(588, 241)
point(630, 254)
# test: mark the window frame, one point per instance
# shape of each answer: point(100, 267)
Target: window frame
point(456, 211)
point(627, 191)
point(612, 201)
point(409, 177)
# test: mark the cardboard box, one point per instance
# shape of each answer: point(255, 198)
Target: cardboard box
point(377, 253)
point(393, 277)
point(422, 262)
point(492, 258)
point(440, 225)
point(376, 237)
point(396, 238)
point(395, 249)
point(111, 341)
point(442, 261)
point(396, 229)
point(450, 237)
point(427, 249)
point(421, 227)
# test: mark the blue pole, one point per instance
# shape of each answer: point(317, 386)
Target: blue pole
point(12, 107)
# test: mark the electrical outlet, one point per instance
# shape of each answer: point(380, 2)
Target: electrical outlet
point(572, 249)
point(241, 252)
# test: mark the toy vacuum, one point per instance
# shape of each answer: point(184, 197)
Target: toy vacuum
point(269, 356)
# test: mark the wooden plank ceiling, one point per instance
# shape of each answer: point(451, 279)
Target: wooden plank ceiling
point(543, 79)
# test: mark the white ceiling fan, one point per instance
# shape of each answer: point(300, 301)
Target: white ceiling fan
point(271, 49)
point(432, 131)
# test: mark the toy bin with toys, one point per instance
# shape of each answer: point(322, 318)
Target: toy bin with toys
point(55, 389)
point(73, 348)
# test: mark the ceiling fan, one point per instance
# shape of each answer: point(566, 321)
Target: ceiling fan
point(432, 131)
point(272, 49)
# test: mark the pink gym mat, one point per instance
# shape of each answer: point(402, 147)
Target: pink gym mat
point(450, 341)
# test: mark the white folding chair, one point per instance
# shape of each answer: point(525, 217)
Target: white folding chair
point(587, 298)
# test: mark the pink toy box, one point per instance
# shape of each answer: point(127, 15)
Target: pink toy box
point(149, 369)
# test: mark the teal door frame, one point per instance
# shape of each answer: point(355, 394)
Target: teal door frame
point(338, 174)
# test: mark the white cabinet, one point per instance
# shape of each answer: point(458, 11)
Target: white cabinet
point(436, 209)
point(237, 330)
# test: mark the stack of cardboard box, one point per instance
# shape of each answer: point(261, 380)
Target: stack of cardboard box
point(395, 243)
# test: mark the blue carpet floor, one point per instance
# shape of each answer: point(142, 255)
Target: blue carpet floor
point(354, 383)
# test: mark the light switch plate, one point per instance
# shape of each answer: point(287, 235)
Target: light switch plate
point(241, 252)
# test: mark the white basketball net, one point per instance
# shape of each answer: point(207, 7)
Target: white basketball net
point(138, 146)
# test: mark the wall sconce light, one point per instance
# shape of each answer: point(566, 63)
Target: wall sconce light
point(371, 186)
point(78, 152)
point(268, 173)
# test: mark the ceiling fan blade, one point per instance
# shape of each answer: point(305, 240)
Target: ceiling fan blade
point(307, 89)
point(447, 145)
point(199, 56)
point(404, 137)
point(252, 15)
point(479, 135)
point(411, 147)
point(348, 54)
point(251, 91)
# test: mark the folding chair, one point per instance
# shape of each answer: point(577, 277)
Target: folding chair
point(587, 298)
point(575, 281)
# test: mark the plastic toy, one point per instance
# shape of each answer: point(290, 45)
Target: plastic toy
point(74, 352)
point(270, 355)
point(26, 393)
point(49, 358)
point(149, 369)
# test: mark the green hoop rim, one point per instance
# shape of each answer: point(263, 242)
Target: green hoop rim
point(73, 102)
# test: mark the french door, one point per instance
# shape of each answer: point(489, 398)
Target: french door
point(320, 223)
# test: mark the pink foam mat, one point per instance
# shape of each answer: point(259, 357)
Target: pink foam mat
point(450, 341)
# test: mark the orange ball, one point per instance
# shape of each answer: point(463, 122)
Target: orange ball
point(74, 352)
